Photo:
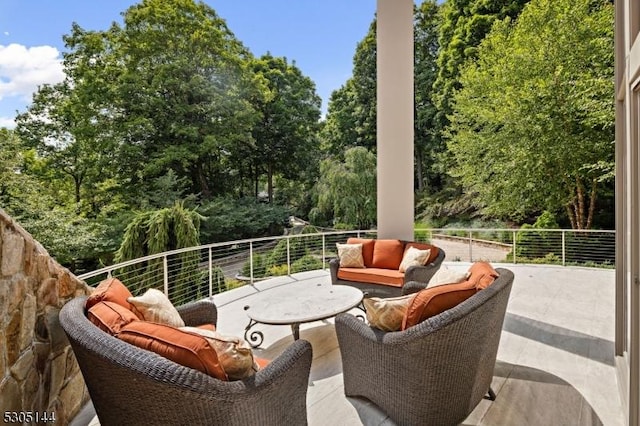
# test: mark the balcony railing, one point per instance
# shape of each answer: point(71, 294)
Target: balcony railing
point(197, 272)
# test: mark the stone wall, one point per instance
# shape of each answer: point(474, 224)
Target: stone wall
point(38, 369)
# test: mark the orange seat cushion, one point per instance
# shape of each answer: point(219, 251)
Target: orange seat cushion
point(387, 254)
point(367, 249)
point(435, 300)
point(110, 290)
point(482, 275)
point(188, 349)
point(110, 317)
point(425, 246)
point(391, 277)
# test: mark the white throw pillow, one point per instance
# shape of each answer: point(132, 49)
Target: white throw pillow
point(445, 275)
point(387, 313)
point(414, 257)
point(350, 255)
point(154, 306)
point(234, 354)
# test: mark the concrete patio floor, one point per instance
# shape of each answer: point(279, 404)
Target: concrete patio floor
point(555, 361)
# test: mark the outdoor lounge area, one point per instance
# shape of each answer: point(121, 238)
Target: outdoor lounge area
point(555, 362)
point(569, 345)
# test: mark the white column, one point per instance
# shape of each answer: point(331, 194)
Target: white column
point(395, 118)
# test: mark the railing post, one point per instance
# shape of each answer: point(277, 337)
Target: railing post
point(165, 275)
point(288, 256)
point(470, 246)
point(514, 248)
point(563, 248)
point(251, 262)
point(210, 274)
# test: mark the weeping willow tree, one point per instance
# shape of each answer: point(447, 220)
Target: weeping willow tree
point(159, 231)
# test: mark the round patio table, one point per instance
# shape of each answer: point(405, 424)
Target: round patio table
point(295, 304)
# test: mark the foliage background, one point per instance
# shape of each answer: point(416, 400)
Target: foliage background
point(513, 117)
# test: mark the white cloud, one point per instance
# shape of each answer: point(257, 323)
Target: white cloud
point(23, 69)
point(7, 122)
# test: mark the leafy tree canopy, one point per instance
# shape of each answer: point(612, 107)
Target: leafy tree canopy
point(428, 145)
point(346, 190)
point(351, 118)
point(285, 136)
point(533, 123)
point(464, 25)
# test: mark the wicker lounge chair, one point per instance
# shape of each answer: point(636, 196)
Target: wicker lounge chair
point(434, 373)
point(132, 386)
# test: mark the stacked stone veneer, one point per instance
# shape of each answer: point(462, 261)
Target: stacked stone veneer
point(37, 366)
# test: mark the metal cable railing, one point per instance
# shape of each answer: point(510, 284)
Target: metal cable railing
point(196, 272)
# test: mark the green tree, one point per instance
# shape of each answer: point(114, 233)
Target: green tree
point(533, 123)
point(285, 135)
point(13, 180)
point(428, 144)
point(170, 89)
point(365, 85)
point(184, 93)
point(73, 240)
point(158, 231)
point(228, 219)
point(346, 190)
point(464, 25)
point(65, 134)
point(351, 117)
point(339, 131)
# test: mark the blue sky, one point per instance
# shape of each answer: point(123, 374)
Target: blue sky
point(320, 36)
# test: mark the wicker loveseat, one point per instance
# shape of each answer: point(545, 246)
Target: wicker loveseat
point(133, 386)
point(380, 276)
point(434, 372)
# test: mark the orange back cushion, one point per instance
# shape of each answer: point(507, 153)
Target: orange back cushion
point(387, 254)
point(110, 290)
point(367, 249)
point(262, 362)
point(110, 317)
point(435, 300)
point(188, 349)
point(424, 246)
point(482, 275)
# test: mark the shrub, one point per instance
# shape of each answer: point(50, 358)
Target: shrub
point(299, 246)
point(218, 280)
point(259, 267)
point(233, 283)
point(306, 263)
point(423, 236)
point(228, 219)
point(278, 270)
point(278, 255)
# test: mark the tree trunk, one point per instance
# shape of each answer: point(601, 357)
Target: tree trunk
point(580, 205)
point(77, 180)
point(579, 215)
point(202, 182)
point(241, 171)
point(270, 183)
point(592, 203)
point(419, 176)
point(255, 182)
point(572, 218)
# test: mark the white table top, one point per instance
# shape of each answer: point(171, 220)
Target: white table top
point(298, 303)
